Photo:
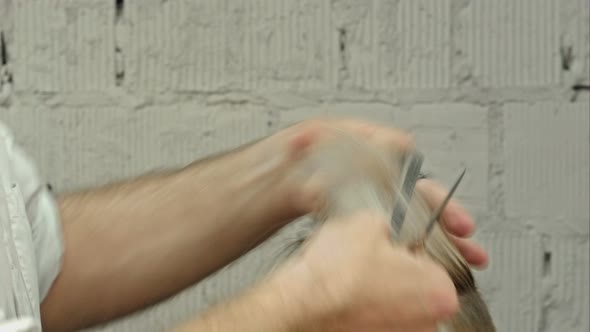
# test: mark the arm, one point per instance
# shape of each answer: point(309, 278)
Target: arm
point(131, 244)
point(369, 285)
point(265, 308)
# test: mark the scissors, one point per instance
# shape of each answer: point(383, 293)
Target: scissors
point(420, 244)
point(412, 175)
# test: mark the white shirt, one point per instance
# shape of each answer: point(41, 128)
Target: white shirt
point(31, 245)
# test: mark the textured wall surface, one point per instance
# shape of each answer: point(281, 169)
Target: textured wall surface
point(97, 90)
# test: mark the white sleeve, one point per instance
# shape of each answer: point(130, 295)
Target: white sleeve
point(43, 215)
point(18, 325)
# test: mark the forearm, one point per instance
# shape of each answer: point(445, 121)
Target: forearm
point(266, 308)
point(131, 244)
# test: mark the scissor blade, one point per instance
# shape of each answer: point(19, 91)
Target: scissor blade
point(410, 179)
point(438, 212)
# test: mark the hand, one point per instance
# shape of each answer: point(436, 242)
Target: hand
point(457, 221)
point(350, 277)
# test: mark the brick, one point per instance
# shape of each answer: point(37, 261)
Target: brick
point(63, 45)
point(263, 44)
point(546, 157)
point(94, 145)
point(508, 43)
point(453, 136)
point(396, 44)
point(575, 36)
point(569, 303)
point(512, 284)
point(31, 129)
point(5, 6)
point(228, 126)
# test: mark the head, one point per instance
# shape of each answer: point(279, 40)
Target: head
point(361, 176)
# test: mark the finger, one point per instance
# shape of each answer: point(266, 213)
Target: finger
point(305, 136)
point(370, 223)
point(389, 322)
point(394, 326)
point(418, 327)
point(454, 217)
point(443, 296)
point(423, 290)
point(472, 252)
point(393, 140)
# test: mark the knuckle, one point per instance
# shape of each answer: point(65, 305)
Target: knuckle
point(312, 124)
point(407, 141)
point(376, 222)
point(370, 225)
point(442, 293)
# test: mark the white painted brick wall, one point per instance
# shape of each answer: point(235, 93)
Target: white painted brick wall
point(453, 137)
point(509, 43)
point(513, 286)
point(221, 45)
point(547, 156)
point(63, 45)
point(384, 49)
point(97, 92)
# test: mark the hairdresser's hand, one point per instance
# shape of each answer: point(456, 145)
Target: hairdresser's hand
point(458, 222)
point(350, 277)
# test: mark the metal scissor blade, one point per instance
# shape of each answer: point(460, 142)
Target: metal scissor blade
point(412, 174)
point(438, 211)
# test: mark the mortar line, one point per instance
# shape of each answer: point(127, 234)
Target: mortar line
point(3, 50)
point(119, 61)
point(6, 77)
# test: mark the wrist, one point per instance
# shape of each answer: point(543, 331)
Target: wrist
point(254, 181)
point(305, 296)
point(271, 306)
point(290, 297)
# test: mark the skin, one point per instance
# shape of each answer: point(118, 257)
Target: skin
point(355, 289)
point(132, 244)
